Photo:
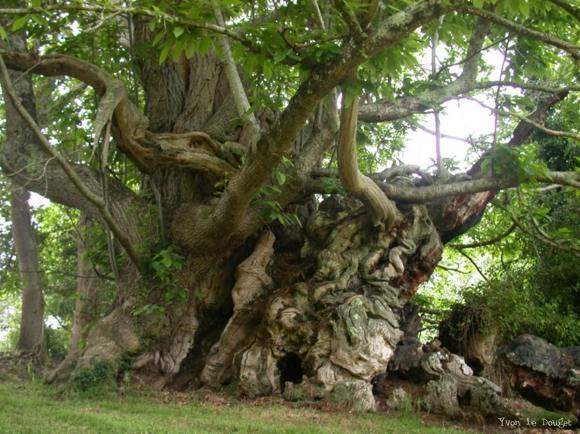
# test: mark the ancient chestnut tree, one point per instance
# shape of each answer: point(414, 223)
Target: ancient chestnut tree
point(253, 238)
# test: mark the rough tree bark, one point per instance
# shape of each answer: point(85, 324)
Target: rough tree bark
point(31, 341)
point(87, 286)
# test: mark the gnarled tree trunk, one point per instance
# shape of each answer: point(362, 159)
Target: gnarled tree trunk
point(309, 310)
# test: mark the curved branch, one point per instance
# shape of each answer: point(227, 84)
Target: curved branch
point(361, 186)
point(147, 150)
point(432, 192)
point(470, 259)
point(432, 98)
point(70, 172)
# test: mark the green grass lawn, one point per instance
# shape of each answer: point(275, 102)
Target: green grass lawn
point(28, 408)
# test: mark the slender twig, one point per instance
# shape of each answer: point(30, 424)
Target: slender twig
point(486, 242)
point(316, 9)
point(538, 233)
point(455, 270)
point(443, 135)
point(105, 19)
point(130, 10)
point(470, 259)
point(572, 49)
point(63, 273)
point(440, 169)
point(496, 99)
point(527, 120)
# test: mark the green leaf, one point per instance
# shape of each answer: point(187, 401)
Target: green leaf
point(178, 31)
point(37, 19)
point(267, 69)
point(525, 8)
point(280, 178)
point(205, 45)
point(158, 37)
point(3, 34)
point(164, 53)
point(190, 49)
point(19, 23)
point(177, 50)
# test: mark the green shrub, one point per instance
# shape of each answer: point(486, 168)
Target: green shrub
point(100, 375)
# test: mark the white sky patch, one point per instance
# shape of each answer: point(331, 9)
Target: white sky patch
point(463, 119)
point(459, 118)
point(38, 201)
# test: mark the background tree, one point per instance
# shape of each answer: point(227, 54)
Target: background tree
point(529, 245)
point(247, 243)
point(32, 340)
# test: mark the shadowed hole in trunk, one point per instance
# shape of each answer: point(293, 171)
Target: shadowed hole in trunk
point(290, 367)
point(465, 399)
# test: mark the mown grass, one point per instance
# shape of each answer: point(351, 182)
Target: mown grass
point(30, 408)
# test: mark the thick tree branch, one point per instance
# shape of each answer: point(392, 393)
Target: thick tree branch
point(67, 168)
point(149, 151)
point(407, 106)
point(272, 146)
point(433, 192)
point(454, 215)
point(431, 99)
point(361, 186)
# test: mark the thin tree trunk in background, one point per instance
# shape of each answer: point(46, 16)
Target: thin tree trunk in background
point(87, 284)
point(32, 339)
